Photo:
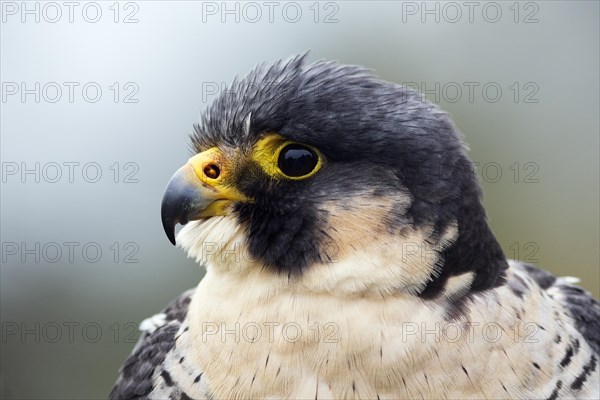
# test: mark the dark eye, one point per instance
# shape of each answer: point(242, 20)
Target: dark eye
point(296, 160)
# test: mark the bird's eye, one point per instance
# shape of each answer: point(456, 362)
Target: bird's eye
point(296, 160)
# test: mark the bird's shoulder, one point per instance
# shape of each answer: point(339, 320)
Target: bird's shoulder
point(158, 335)
point(582, 307)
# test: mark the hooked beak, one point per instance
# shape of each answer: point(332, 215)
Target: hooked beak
point(197, 191)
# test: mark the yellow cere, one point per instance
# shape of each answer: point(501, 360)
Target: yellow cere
point(266, 154)
point(206, 158)
point(223, 189)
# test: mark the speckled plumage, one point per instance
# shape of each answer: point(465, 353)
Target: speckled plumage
point(379, 277)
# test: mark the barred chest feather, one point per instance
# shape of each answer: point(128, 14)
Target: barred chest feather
point(253, 337)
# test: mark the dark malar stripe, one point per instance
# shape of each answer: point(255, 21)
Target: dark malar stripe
point(587, 369)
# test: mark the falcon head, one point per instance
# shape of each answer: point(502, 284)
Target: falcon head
point(329, 179)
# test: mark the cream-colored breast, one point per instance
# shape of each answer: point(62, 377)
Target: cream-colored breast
point(257, 334)
point(256, 340)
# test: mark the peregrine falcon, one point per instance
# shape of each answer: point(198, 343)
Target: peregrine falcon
point(348, 255)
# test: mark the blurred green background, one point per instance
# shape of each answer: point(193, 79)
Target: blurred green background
point(520, 79)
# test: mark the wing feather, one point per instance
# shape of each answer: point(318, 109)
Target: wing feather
point(157, 339)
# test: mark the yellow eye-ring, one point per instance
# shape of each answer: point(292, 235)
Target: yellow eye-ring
point(287, 159)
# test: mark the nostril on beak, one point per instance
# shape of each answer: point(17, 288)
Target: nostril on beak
point(211, 171)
